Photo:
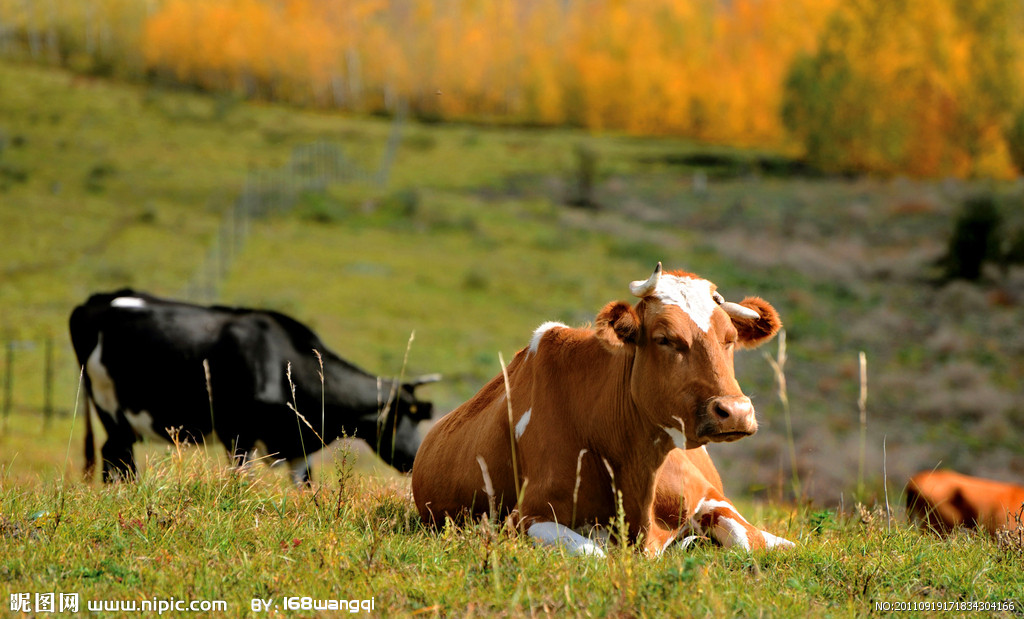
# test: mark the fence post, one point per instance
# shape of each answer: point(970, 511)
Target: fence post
point(8, 380)
point(223, 248)
point(394, 140)
point(48, 382)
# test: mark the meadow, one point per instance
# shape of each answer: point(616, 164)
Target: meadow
point(190, 529)
point(470, 245)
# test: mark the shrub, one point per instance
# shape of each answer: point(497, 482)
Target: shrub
point(975, 239)
point(1015, 140)
point(586, 175)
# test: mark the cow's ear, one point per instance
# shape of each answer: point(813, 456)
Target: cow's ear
point(752, 333)
point(618, 324)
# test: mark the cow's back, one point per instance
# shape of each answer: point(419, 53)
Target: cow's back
point(151, 353)
point(944, 500)
point(87, 319)
point(447, 475)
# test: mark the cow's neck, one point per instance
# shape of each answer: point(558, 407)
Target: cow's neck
point(630, 439)
point(631, 446)
point(350, 387)
point(635, 466)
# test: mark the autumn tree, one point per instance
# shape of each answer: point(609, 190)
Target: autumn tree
point(929, 87)
point(922, 86)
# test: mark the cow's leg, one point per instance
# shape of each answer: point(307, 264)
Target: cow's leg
point(658, 539)
point(300, 469)
point(117, 451)
point(719, 519)
point(229, 425)
point(554, 534)
point(241, 450)
point(118, 463)
point(688, 503)
point(118, 457)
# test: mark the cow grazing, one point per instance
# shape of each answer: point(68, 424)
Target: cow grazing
point(144, 363)
point(944, 500)
point(588, 416)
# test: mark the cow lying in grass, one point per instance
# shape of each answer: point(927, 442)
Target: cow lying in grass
point(944, 500)
point(587, 418)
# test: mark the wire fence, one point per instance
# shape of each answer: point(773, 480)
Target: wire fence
point(312, 168)
point(23, 360)
point(30, 368)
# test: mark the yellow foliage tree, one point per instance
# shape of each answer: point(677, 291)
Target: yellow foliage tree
point(929, 87)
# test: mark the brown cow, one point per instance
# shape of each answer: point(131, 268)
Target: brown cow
point(593, 413)
point(944, 500)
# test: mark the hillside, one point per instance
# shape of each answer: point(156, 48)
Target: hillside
point(470, 245)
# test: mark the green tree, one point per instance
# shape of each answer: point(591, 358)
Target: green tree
point(923, 86)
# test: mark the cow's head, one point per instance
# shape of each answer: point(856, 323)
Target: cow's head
point(682, 335)
point(398, 430)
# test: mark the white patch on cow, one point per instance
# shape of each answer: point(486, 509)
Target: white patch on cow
point(103, 392)
point(730, 531)
point(774, 541)
point(522, 423)
point(142, 423)
point(707, 505)
point(736, 533)
point(485, 473)
point(691, 295)
point(128, 302)
point(554, 534)
point(689, 540)
point(678, 438)
point(665, 546)
point(539, 332)
point(676, 434)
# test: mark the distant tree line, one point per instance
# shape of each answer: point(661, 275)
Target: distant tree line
point(926, 87)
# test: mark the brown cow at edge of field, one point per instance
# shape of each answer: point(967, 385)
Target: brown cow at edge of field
point(594, 412)
point(944, 500)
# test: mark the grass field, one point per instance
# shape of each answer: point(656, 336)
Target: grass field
point(470, 245)
point(193, 530)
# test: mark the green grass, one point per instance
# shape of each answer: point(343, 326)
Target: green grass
point(192, 529)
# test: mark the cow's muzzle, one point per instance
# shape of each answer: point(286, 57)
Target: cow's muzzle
point(728, 418)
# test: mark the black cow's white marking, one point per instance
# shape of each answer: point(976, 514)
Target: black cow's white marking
point(144, 376)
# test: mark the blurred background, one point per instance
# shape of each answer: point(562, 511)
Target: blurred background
point(465, 170)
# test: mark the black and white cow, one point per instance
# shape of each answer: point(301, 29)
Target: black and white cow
point(145, 376)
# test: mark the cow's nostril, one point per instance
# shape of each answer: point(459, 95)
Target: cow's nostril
point(721, 411)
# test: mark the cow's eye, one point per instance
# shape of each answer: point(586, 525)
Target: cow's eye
point(728, 345)
point(662, 340)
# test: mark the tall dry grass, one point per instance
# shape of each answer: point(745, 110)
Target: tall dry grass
point(778, 366)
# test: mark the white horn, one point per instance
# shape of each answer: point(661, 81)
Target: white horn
point(738, 311)
point(424, 380)
point(642, 288)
